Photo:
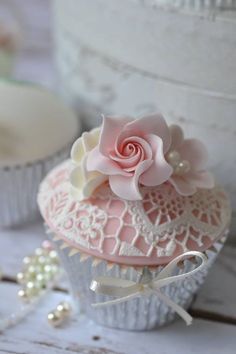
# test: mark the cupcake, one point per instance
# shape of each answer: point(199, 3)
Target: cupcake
point(36, 133)
point(137, 220)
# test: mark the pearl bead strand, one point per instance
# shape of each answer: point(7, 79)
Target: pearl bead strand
point(40, 274)
point(38, 271)
point(62, 312)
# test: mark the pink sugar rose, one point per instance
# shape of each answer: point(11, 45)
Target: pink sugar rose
point(188, 157)
point(132, 152)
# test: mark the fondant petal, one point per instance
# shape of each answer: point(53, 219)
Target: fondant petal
point(177, 136)
point(111, 128)
point(98, 162)
point(77, 178)
point(78, 151)
point(183, 186)
point(128, 187)
point(160, 171)
point(195, 152)
point(153, 124)
point(84, 144)
point(91, 139)
point(124, 187)
point(203, 179)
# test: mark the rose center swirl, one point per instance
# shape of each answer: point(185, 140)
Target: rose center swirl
point(130, 152)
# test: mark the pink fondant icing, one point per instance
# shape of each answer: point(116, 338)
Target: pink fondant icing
point(152, 231)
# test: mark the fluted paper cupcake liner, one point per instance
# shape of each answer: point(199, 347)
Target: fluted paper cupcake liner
point(19, 187)
point(142, 313)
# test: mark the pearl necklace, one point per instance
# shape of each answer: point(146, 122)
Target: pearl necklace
point(40, 274)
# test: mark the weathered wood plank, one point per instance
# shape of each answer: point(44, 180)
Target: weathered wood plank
point(81, 335)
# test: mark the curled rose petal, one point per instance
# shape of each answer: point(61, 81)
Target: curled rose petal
point(127, 187)
point(98, 162)
point(111, 128)
point(153, 124)
point(160, 169)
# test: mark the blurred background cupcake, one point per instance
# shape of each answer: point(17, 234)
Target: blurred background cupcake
point(36, 132)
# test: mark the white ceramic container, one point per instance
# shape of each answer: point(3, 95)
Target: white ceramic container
point(137, 56)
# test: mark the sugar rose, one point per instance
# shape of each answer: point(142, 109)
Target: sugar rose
point(132, 152)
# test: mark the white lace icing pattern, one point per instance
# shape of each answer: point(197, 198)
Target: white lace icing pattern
point(160, 223)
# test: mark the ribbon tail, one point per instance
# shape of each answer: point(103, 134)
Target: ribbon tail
point(116, 301)
point(181, 312)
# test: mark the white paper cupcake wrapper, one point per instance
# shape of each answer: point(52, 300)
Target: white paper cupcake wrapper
point(19, 188)
point(142, 313)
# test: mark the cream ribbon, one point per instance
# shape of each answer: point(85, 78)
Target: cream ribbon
point(128, 289)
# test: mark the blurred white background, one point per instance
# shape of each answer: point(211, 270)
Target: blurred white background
point(32, 17)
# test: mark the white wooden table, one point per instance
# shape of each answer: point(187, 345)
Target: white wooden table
point(214, 311)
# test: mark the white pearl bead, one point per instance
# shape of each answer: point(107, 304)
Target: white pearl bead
point(31, 289)
point(54, 319)
point(182, 168)
point(20, 277)
point(39, 252)
point(23, 295)
point(27, 260)
point(186, 166)
point(48, 272)
point(40, 280)
point(53, 256)
point(64, 308)
point(173, 158)
point(42, 260)
point(54, 269)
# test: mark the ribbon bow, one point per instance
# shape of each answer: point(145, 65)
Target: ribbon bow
point(128, 289)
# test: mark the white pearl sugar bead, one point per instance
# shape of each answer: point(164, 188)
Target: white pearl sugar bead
point(39, 252)
point(173, 158)
point(20, 278)
point(180, 166)
point(27, 260)
point(23, 295)
point(60, 314)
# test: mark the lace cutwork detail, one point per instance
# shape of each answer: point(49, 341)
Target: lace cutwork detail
point(162, 224)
